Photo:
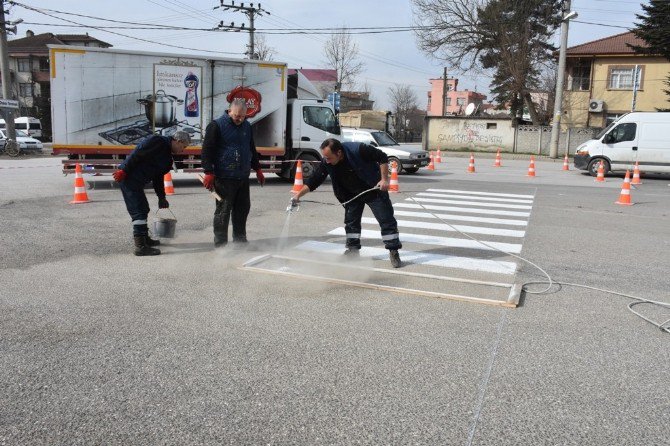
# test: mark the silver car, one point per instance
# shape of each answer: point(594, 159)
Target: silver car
point(407, 157)
point(26, 143)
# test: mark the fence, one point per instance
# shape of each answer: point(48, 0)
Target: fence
point(536, 139)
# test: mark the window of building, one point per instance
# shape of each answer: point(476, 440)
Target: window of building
point(580, 78)
point(621, 77)
point(460, 101)
point(448, 102)
point(24, 65)
point(44, 64)
point(610, 118)
point(26, 90)
point(491, 125)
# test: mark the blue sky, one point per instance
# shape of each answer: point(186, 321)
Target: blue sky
point(389, 58)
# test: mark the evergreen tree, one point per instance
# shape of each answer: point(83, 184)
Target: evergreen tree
point(654, 28)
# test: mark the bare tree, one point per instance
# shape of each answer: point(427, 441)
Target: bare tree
point(403, 100)
point(342, 54)
point(262, 50)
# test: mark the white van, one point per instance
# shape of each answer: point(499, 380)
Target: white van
point(637, 136)
point(31, 126)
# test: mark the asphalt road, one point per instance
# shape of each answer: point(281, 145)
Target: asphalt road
point(100, 347)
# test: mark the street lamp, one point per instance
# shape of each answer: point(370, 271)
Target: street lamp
point(558, 100)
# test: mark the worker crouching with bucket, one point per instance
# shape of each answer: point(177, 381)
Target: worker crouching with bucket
point(149, 161)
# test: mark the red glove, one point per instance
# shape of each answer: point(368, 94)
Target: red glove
point(119, 175)
point(260, 176)
point(208, 181)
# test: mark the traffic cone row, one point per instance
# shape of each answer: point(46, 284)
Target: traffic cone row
point(471, 164)
point(600, 178)
point(531, 167)
point(624, 197)
point(297, 183)
point(636, 174)
point(80, 195)
point(498, 161)
point(566, 163)
point(438, 157)
point(167, 183)
point(431, 164)
point(393, 183)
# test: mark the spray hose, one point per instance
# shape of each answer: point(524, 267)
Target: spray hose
point(294, 204)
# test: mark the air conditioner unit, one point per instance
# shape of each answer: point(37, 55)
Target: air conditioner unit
point(596, 105)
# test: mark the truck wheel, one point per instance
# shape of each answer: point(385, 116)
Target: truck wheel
point(593, 166)
point(396, 161)
point(308, 166)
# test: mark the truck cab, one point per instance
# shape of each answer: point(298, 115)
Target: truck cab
point(308, 123)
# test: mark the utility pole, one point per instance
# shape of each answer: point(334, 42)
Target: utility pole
point(558, 100)
point(444, 92)
point(6, 76)
point(251, 12)
point(636, 86)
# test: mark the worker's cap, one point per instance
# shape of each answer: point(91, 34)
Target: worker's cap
point(182, 136)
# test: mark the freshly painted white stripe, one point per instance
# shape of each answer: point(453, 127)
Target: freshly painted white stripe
point(462, 210)
point(475, 198)
point(452, 228)
point(446, 261)
point(448, 242)
point(471, 203)
point(469, 192)
point(495, 221)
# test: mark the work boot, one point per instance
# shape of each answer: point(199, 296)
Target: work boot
point(142, 248)
point(395, 258)
point(353, 253)
point(152, 242)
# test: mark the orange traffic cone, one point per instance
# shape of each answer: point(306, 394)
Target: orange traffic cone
point(297, 184)
point(531, 167)
point(624, 197)
point(601, 173)
point(393, 184)
point(498, 162)
point(431, 164)
point(471, 164)
point(80, 195)
point(167, 182)
point(636, 174)
point(566, 163)
point(438, 157)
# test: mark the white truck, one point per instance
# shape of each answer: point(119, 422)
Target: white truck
point(104, 101)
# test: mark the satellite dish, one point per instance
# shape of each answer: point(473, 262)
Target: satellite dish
point(470, 109)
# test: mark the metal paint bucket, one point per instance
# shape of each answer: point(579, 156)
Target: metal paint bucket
point(165, 227)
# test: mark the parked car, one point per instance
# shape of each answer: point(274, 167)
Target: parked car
point(26, 143)
point(637, 136)
point(407, 157)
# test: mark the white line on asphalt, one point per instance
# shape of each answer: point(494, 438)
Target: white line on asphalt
point(446, 261)
point(451, 228)
point(471, 203)
point(475, 198)
point(448, 242)
point(468, 192)
point(462, 209)
point(494, 221)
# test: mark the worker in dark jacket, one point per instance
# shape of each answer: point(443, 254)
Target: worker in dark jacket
point(149, 161)
point(355, 168)
point(228, 155)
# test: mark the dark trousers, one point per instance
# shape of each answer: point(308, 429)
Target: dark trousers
point(236, 201)
point(138, 207)
point(381, 207)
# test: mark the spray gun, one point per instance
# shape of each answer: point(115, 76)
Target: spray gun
point(293, 206)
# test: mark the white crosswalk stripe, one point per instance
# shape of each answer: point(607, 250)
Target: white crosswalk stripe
point(430, 237)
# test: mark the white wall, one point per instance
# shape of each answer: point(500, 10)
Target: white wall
point(481, 134)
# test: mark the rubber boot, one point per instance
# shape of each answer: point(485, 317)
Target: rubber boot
point(142, 249)
point(152, 242)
